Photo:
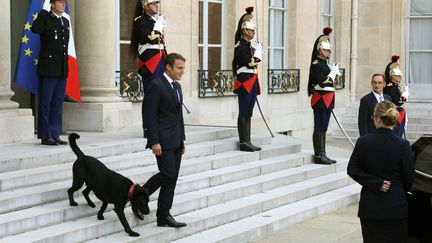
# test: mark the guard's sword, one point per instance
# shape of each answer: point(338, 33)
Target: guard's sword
point(265, 121)
point(343, 130)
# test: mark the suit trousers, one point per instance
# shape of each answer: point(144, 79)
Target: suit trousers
point(51, 96)
point(169, 166)
point(384, 231)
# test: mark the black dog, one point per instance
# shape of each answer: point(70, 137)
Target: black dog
point(107, 185)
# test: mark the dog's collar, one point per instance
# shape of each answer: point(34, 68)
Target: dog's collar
point(131, 190)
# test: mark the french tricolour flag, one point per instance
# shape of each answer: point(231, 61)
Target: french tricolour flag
point(72, 82)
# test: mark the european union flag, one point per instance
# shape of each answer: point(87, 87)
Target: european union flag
point(25, 71)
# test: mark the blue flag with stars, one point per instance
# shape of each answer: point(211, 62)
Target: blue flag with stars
point(25, 71)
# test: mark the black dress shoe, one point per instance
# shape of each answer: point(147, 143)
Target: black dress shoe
point(48, 142)
point(169, 221)
point(59, 141)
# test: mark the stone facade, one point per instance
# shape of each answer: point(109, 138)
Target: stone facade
point(378, 28)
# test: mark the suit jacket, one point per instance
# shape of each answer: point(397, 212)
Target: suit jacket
point(381, 156)
point(54, 38)
point(365, 116)
point(164, 115)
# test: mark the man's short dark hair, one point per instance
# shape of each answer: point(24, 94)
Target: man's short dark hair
point(376, 75)
point(171, 58)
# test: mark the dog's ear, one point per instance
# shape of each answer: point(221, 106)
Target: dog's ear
point(141, 189)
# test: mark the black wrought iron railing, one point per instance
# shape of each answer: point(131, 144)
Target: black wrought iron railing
point(215, 83)
point(283, 81)
point(340, 80)
point(129, 84)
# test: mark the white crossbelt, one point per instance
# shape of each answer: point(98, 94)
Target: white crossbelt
point(142, 48)
point(318, 87)
point(245, 69)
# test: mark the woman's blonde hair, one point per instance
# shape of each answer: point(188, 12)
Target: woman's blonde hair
point(386, 110)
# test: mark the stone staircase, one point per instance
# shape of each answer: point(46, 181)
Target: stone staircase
point(419, 121)
point(222, 194)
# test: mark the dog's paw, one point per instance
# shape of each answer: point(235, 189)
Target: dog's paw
point(133, 234)
point(140, 216)
point(73, 203)
point(100, 217)
point(91, 204)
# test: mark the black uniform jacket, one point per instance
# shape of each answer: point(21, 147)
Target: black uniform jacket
point(54, 38)
point(164, 115)
point(365, 116)
point(318, 71)
point(143, 27)
point(392, 90)
point(380, 156)
point(243, 57)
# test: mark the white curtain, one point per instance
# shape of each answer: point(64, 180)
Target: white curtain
point(420, 43)
point(277, 36)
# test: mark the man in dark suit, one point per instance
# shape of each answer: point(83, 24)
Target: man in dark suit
point(164, 119)
point(368, 103)
point(52, 68)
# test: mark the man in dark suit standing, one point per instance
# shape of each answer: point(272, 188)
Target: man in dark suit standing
point(52, 68)
point(368, 103)
point(164, 119)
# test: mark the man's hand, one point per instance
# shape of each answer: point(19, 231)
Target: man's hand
point(156, 149)
point(183, 148)
point(385, 186)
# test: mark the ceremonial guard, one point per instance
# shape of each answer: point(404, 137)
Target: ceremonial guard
point(393, 76)
point(52, 68)
point(321, 87)
point(245, 62)
point(148, 43)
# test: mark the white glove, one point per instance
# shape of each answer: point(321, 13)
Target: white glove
point(258, 51)
point(159, 24)
point(47, 5)
point(334, 71)
point(405, 93)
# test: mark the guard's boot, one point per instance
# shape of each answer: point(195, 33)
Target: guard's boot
point(319, 150)
point(323, 141)
point(241, 128)
point(248, 135)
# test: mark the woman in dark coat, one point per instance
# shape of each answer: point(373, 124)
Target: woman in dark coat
point(383, 164)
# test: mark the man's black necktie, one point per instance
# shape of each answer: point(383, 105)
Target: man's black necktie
point(176, 91)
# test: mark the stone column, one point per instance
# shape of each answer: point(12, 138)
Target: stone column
point(16, 124)
point(101, 109)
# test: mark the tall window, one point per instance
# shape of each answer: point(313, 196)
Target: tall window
point(211, 35)
point(125, 12)
point(327, 20)
point(420, 42)
point(278, 44)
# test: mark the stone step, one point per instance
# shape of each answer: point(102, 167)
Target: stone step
point(240, 209)
point(269, 222)
point(46, 193)
point(59, 212)
point(53, 173)
point(12, 157)
point(414, 125)
point(233, 197)
point(354, 133)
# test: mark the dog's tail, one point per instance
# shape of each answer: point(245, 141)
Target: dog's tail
point(72, 142)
